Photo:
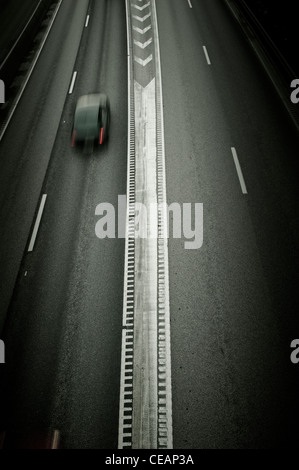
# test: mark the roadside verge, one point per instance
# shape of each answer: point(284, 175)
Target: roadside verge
point(278, 70)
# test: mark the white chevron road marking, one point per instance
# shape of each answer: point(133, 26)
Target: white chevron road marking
point(145, 406)
point(141, 8)
point(144, 62)
point(142, 19)
point(142, 31)
point(143, 45)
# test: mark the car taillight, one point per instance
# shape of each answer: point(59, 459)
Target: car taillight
point(74, 138)
point(101, 136)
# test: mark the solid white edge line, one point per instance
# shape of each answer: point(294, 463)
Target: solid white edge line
point(87, 21)
point(190, 4)
point(239, 171)
point(207, 55)
point(37, 223)
point(123, 348)
point(166, 255)
point(30, 72)
point(73, 83)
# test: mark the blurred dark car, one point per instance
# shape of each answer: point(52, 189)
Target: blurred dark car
point(92, 119)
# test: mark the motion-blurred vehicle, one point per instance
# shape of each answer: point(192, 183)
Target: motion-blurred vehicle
point(91, 120)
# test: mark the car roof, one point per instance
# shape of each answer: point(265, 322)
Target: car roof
point(87, 115)
point(91, 100)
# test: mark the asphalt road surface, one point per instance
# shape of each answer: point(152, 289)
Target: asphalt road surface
point(63, 333)
point(234, 308)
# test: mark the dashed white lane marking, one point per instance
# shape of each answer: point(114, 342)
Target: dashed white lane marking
point(73, 83)
point(87, 21)
point(239, 171)
point(55, 439)
point(37, 223)
point(207, 55)
point(190, 4)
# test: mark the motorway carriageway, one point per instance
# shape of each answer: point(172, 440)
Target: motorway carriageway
point(233, 303)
